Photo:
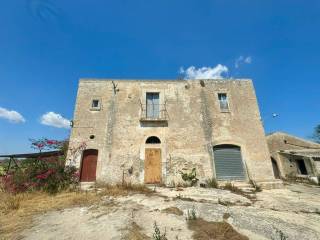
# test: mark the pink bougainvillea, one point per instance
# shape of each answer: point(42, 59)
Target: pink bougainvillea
point(41, 173)
point(46, 144)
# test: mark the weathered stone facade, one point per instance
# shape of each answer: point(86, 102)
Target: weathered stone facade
point(288, 152)
point(192, 124)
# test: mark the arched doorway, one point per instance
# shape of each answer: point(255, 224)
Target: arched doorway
point(89, 165)
point(228, 162)
point(152, 162)
point(275, 168)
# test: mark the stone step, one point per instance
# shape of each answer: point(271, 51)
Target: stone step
point(248, 190)
point(87, 185)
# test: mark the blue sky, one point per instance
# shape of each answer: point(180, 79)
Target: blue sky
point(47, 45)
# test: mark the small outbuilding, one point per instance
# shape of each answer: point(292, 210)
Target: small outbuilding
point(294, 157)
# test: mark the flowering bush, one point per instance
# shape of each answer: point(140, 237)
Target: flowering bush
point(41, 173)
point(46, 144)
point(2, 171)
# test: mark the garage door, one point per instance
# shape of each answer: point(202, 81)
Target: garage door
point(228, 163)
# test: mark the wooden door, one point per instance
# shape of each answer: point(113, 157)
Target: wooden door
point(152, 165)
point(89, 165)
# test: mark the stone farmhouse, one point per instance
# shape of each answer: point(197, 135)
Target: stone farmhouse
point(149, 131)
point(294, 157)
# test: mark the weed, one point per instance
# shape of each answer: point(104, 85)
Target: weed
point(212, 183)
point(231, 187)
point(157, 233)
point(280, 235)
point(191, 214)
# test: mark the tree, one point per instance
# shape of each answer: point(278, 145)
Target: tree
point(316, 133)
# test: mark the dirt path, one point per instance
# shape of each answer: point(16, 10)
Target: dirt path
point(293, 211)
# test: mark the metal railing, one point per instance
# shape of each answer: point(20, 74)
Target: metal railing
point(153, 112)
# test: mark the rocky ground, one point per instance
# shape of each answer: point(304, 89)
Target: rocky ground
point(289, 213)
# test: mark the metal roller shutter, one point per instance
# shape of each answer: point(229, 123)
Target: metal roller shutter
point(228, 163)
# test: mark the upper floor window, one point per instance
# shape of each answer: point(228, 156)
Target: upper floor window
point(152, 104)
point(95, 104)
point(223, 100)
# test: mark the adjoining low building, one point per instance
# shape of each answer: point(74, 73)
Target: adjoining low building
point(293, 157)
point(148, 131)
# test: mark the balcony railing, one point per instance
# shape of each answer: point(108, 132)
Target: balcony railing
point(153, 112)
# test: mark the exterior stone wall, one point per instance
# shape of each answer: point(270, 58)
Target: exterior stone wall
point(195, 124)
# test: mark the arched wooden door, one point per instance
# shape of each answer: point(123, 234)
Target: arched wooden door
point(89, 165)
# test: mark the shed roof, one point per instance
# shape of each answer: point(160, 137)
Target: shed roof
point(314, 153)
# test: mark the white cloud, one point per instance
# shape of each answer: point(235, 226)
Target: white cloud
point(242, 60)
point(54, 120)
point(248, 60)
point(204, 72)
point(11, 115)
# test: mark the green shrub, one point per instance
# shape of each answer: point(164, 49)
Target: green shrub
point(191, 177)
point(2, 171)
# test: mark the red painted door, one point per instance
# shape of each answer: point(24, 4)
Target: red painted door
point(89, 165)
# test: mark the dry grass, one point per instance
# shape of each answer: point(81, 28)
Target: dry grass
point(212, 183)
point(17, 211)
point(173, 210)
point(122, 189)
point(134, 232)
point(204, 230)
point(232, 188)
point(226, 216)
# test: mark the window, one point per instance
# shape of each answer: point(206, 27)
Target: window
point(95, 104)
point(223, 100)
point(302, 167)
point(153, 140)
point(153, 105)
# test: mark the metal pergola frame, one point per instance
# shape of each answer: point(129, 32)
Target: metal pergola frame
point(13, 157)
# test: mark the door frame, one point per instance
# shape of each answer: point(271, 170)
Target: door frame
point(243, 161)
point(162, 146)
point(81, 165)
